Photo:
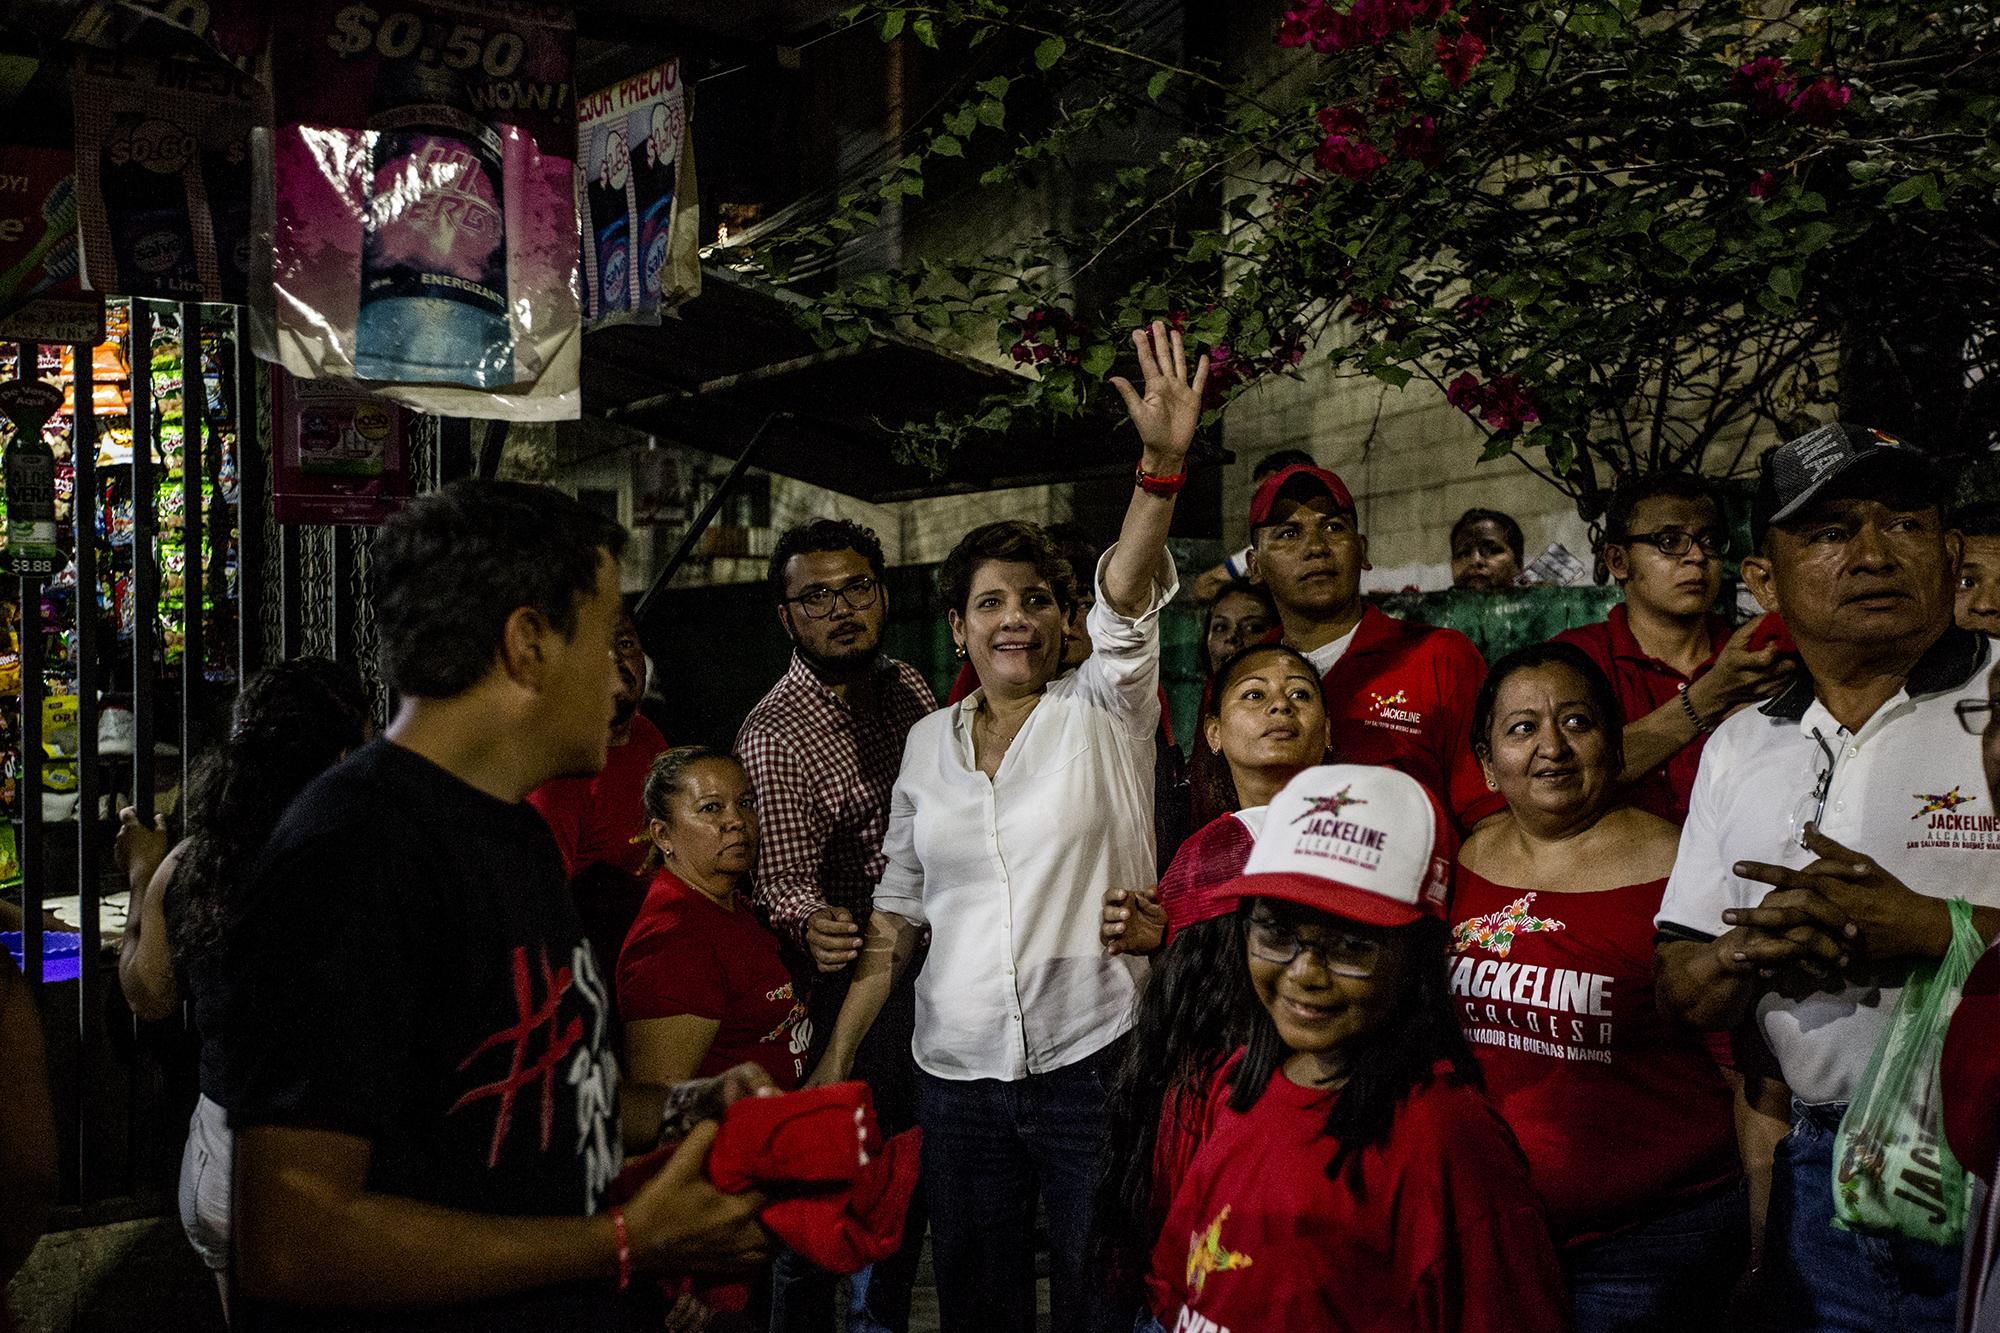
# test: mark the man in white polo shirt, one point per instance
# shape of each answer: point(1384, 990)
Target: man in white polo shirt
point(1826, 831)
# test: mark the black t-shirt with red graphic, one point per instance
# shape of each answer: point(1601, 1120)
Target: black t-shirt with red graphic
point(409, 970)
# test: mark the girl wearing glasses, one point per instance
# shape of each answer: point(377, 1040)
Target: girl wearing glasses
point(1267, 719)
point(1354, 1177)
point(1624, 1116)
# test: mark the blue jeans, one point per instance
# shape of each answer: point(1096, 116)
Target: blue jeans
point(1821, 1278)
point(990, 1148)
point(1671, 1274)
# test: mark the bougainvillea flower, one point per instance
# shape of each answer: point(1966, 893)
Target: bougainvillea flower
point(1821, 101)
point(1459, 56)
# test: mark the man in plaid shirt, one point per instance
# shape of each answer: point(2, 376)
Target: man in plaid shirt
point(822, 750)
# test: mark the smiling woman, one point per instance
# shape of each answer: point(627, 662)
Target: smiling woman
point(1552, 982)
point(1014, 811)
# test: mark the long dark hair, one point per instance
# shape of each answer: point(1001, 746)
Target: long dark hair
point(1388, 1064)
point(1215, 787)
point(291, 722)
point(1193, 1014)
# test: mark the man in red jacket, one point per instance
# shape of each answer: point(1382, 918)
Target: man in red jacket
point(599, 822)
point(1397, 693)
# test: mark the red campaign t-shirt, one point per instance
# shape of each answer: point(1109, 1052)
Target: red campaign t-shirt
point(686, 955)
point(1643, 683)
point(1622, 1113)
point(1444, 1232)
point(1401, 695)
point(602, 820)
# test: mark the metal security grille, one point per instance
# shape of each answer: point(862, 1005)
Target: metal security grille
point(171, 643)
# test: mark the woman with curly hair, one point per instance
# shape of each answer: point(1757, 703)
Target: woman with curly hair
point(292, 722)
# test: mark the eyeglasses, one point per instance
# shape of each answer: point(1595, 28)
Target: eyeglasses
point(1976, 715)
point(1674, 542)
point(1338, 952)
point(859, 594)
point(1822, 786)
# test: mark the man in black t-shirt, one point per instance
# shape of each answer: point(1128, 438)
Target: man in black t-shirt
point(417, 1063)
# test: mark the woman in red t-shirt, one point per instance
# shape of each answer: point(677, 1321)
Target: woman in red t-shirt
point(1354, 1178)
point(1624, 1116)
point(1267, 719)
point(702, 985)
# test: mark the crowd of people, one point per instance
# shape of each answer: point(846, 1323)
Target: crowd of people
point(1432, 995)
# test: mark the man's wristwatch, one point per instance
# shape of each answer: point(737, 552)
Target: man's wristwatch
point(687, 1105)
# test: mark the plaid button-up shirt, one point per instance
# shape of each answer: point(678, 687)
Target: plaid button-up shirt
point(822, 772)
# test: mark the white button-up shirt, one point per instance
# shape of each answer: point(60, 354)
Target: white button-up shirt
point(1010, 873)
point(1907, 789)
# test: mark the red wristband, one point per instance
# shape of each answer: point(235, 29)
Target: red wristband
point(624, 1248)
point(1153, 484)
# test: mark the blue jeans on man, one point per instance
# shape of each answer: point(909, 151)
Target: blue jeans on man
point(1821, 1278)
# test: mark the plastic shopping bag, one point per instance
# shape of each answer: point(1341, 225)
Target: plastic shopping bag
point(1892, 1170)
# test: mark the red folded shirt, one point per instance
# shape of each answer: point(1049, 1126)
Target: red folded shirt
point(838, 1193)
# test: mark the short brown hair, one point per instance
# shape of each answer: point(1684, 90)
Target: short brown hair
point(1013, 541)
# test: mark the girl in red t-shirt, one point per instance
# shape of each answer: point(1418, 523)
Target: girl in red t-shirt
point(702, 984)
point(1354, 1178)
point(1625, 1117)
point(1267, 719)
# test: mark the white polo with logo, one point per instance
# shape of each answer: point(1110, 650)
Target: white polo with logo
point(1907, 789)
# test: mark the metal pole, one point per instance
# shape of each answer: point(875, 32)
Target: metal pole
point(28, 790)
point(707, 515)
point(145, 562)
point(83, 512)
point(194, 435)
point(250, 532)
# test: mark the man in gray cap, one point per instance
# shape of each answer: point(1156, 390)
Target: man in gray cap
point(1826, 832)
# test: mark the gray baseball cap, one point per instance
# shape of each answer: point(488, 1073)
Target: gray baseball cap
point(1795, 473)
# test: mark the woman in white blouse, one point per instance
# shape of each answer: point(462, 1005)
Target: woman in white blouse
point(1014, 811)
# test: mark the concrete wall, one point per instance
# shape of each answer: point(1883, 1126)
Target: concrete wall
point(1411, 460)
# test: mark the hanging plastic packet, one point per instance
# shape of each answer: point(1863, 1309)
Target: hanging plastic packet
point(163, 179)
point(637, 199)
point(1892, 1170)
point(421, 206)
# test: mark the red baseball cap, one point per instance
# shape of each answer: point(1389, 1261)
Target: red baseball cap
point(1355, 841)
point(1299, 478)
point(1191, 891)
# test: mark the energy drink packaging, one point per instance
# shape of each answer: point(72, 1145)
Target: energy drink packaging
point(143, 165)
point(434, 244)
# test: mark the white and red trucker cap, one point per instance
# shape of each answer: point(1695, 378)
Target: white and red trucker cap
point(1356, 841)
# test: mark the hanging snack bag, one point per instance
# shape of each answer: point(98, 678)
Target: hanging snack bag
point(422, 208)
